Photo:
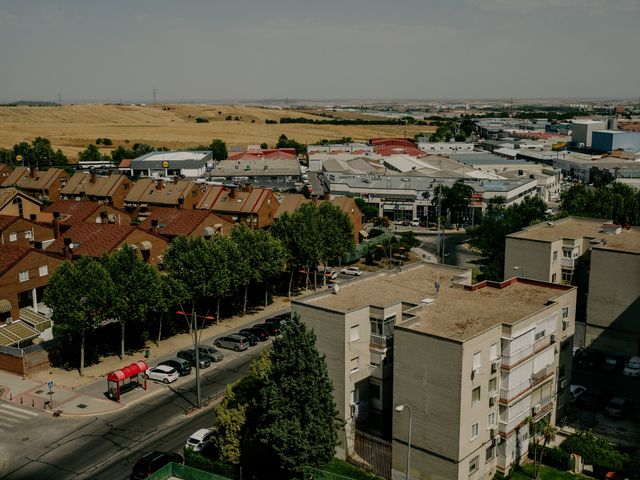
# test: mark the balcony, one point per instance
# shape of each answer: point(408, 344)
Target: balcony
point(504, 427)
point(511, 360)
point(567, 263)
point(540, 376)
point(380, 342)
point(508, 394)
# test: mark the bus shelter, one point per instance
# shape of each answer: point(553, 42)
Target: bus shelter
point(125, 379)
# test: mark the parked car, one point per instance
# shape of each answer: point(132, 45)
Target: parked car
point(162, 373)
point(576, 392)
point(330, 273)
point(589, 359)
point(612, 364)
point(594, 400)
point(355, 271)
point(281, 318)
point(632, 368)
point(200, 440)
point(261, 333)
point(190, 356)
point(617, 407)
point(251, 338)
point(233, 342)
point(272, 328)
point(213, 353)
point(183, 367)
point(152, 462)
point(415, 222)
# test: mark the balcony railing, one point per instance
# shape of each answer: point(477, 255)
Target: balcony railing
point(567, 262)
point(511, 359)
point(380, 342)
point(543, 374)
point(507, 394)
point(506, 427)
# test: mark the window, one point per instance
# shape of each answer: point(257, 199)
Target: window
point(474, 465)
point(477, 360)
point(565, 312)
point(489, 454)
point(355, 333)
point(554, 277)
point(13, 236)
point(355, 363)
point(491, 420)
point(475, 430)
point(24, 275)
point(539, 335)
point(475, 396)
point(567, 275)
point(374, 391)
point(27, 234)
point(566, 253)
point(355, 396)
point(493, 384)
point(555, 255)
point(43, 271)
point(493, 352)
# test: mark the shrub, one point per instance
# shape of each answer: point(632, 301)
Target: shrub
point(595, 450)
point(553, 457)
point(201, 120)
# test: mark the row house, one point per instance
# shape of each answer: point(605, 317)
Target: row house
point(172, 222)
point(160, 193)
point(254, 207)
point(44, 185)
point(471, 362)
point(21, 232)
point(18, 204)
point(110, 189)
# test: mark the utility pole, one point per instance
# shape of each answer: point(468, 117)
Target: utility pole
point(195, 341)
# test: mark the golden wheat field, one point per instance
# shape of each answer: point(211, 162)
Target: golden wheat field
point(72, 127)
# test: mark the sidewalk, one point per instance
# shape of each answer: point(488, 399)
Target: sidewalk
point(74, 395)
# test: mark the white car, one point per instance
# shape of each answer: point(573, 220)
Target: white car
point(163, 373)
point(632, 368)
point(415, 222)
point(200, 440)
point(576, 392)
point(355, 271)
point(331, 274)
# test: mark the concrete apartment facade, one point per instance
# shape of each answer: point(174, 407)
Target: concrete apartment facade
point(613, 305)
point(471, 362)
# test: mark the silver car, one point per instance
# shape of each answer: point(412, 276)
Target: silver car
point(233, 342)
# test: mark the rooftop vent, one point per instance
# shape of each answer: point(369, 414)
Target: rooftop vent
point(428, 301)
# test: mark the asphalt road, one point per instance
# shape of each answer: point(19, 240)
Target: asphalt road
point(107, 447)
point(458, 255)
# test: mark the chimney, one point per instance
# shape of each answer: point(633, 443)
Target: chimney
point(159, 184)
point(232, 192)
point(154, 226)
point(246, 187)
point(92, 177)
point(104, 217)
point(38, 245)
point(56, 224)
point(180, 201)
point(175, 180)
point(67, 248)
point(32, 217)
point(32, 172)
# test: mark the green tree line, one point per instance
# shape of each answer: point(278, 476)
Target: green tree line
point(616, 201)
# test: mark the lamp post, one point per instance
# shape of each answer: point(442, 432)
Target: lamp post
point(520, 269)
point(196, 341)
point(399, 409)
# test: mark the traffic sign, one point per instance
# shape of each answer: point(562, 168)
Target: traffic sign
point(50, 384)
point(18, 158)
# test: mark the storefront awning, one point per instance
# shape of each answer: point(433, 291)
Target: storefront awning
point(5, 306)
point(16, 332)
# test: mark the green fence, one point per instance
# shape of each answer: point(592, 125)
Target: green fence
point(310, 473)
point(183, 472)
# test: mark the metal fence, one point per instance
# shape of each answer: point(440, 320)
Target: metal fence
point(310, 473)
point(183, 472)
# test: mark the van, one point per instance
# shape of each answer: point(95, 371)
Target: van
point(233, 342)
point(632, 368)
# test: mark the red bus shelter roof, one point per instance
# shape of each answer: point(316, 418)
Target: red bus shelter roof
point(128, 371)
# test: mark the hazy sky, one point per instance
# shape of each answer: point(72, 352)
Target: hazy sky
point(258, 49)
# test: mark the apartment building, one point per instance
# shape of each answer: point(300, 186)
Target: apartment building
point(472, 363)
point(613, 303)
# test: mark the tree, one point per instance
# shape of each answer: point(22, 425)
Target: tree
point(137, 288)
point(594, 449)
point(272, 259)
point(218, 149)
point(616, 201)
point(80, 295)
point(498, 222)
point(456, 198)
point(247, 266)
point(24, 150)
point(283, 230)
point(293, 420)
point(542, 433)
point(336, 232)
point(369, 212)
point(284, 142)
point(42, 151)
point(264, 146)
point(90, 154)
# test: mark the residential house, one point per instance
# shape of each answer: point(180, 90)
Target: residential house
point(66, 213)
point(24, 274)
point(94, 240)
point(176, 194)
point(613, 302)
point(172, 222)
point(507, 349)
point(18, 204)
point(43, 185)
point(292, 201)
point(5, 170)
point(255, 207)
point(22, 232)
point(110, 189)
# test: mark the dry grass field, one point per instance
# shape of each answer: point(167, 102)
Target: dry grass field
point(72, 127)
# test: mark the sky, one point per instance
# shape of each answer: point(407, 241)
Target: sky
point(318, 49)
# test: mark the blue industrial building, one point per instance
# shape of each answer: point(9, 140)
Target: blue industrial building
point(611, 140)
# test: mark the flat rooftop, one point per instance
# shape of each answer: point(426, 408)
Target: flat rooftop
point(457, 312)
point(569, 227)
point(626, 241)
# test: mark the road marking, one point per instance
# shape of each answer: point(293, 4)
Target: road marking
point(19, 410)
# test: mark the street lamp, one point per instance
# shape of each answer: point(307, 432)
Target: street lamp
point(399, 409)
point(521, 269)
point(196, 342)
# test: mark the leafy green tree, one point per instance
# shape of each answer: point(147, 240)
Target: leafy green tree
point(90, 154)
point(542, 433)
point(292, 422)
point(225, 255)
point(336, 232)
point(218, 149)
point(264, 146)
point(284, 142)
point(80, 295)
point(283, 230)
point(24, 150)
point(616, 201)
point(42, 151)
point(272, 259)
point(60, 158)
point(137, 285)
point(247, 266)
point(498, 222)
point(118, 154)
point(456, 198)
point(595, 450)
point(173, 294)
point(369, 212)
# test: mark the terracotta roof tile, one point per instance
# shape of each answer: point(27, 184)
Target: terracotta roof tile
point(8, 194)
point(174, 221)
point(92, 239)
point(72, 211)
point(10, 255)
point(6, 220)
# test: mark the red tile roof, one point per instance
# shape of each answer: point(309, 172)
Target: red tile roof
point(6, 220)
point(72, 211)
point(92, 239)
point(174, 221)
point(10, 255)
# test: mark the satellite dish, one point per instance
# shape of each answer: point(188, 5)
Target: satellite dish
point(336, 288)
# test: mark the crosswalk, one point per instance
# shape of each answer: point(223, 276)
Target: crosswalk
point(11, 417)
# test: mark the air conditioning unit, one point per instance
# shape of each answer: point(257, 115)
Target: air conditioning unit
point(494, 367)
point(553, 338)
point(563, 383)
point(535, 409)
